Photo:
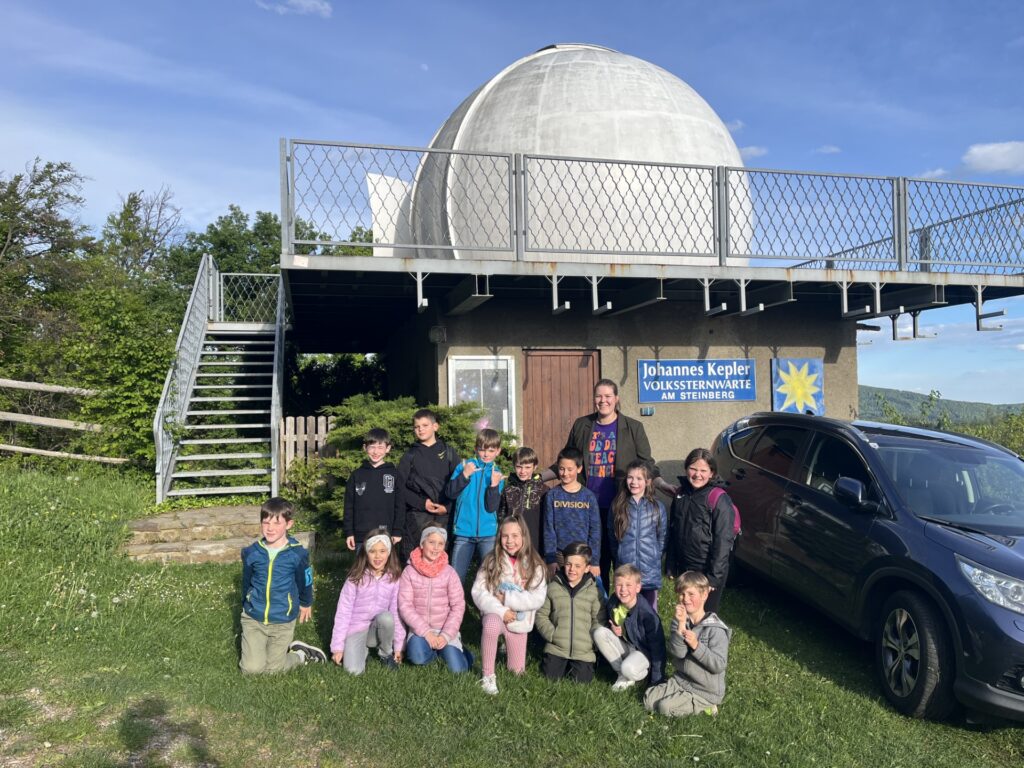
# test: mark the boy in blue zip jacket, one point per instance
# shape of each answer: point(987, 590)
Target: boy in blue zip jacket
point(476, 486)
point(277, 590)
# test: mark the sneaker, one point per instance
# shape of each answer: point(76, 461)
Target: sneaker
point(490, 684)
point(309, 654)
point(622, 683)
point(389, 662)
point(711, 711)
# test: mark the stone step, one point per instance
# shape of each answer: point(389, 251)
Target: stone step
point(219, 551)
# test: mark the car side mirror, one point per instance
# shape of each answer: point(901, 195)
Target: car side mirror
point(852, 492)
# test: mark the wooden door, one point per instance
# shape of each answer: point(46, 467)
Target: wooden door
point(558, 388)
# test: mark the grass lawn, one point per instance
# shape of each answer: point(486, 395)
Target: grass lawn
point(112, 663)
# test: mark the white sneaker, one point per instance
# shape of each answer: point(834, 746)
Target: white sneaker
point(490, 684)
point(622, 684)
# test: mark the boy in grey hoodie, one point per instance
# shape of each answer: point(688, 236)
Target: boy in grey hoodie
point(699, 647)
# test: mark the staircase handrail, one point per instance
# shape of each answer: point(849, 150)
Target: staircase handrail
point(181, 374)
point(277, 387)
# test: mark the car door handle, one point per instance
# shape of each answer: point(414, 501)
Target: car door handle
point(792, 501)
point(739, 473)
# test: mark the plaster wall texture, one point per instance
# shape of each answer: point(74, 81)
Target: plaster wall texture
point(663, 332)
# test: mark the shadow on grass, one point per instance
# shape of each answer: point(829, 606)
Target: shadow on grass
point(795, 629)
point(152, 738)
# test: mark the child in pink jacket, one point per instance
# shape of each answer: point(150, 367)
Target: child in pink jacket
point(367, 615)
point(432, 603)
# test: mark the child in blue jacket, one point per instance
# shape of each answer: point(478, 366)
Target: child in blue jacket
point(476, 486)
point(277, 591)
point(638, 526)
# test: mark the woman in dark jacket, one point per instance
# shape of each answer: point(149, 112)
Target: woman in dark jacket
point(700, 537)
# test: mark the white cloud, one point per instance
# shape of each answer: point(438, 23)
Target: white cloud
point(320, 8)
point(999, 157)
point(748, 153)
point(1019, 347)
point(424, 67)
point(934, 173)
point(827, 149)
point(735, 126)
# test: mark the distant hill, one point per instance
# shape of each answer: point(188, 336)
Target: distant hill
point(909, 404)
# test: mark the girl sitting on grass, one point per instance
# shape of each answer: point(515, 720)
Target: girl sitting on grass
point(367, 615)
point(639, 525)
point(509, 588)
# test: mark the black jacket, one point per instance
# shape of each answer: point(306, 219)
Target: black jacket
point(642, 629)
point(700, 538)
point(424, 472)
point(372, 500)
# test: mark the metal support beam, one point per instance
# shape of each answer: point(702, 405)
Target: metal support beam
point(759, 299)
point(868, 310)
point(467, 295)
point(710, 311)
point(915, 332)
point(647, 293)
point(556, 308)
point(597, 307)
point(421, 301)
point(982, 316)
point(915, 298)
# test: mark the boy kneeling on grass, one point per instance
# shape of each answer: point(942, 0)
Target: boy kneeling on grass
point(633, 642)
point(277, 589)
point(699, 646)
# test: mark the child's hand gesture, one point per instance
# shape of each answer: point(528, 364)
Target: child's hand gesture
point(509, 616)
point(469, 468)
point(434, 508)
point(496, 477)
point(681, 617)
point(689, 637)
point(337, 656)
point(305, 614)
point(615, 627)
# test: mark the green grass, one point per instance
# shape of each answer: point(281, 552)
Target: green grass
point(113, 663)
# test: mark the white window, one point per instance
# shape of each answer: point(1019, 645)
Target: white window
point(489, 381)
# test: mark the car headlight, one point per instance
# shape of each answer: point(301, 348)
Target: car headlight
point(994, 586)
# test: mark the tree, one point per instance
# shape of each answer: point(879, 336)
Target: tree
point(137, 236)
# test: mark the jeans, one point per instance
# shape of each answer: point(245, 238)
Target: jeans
point(419, 652)
point(462, 552)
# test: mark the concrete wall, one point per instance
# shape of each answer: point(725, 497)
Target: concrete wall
point(665, 331)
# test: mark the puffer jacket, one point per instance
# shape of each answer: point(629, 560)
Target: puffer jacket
point(644, 540)
point(274, 590)
point(702, 671)
point(427, 603)
point(525, 601)
point(700, 538)
point(569, 616)
point(359, 604)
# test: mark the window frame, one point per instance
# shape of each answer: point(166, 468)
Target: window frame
point(510, 367)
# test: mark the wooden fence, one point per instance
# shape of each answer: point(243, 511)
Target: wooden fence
point(304, 438)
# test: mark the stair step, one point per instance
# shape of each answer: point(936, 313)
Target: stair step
point(225, 398)
point(214, 364)
point(237, 352)
point(232, 375)
point(225, 426)
point(250, 412)
point(224, 441)
point(218, 456)
point(220, 473)
point(219, 491)
point(237, 342)
point(217, 551)
point(232, 386)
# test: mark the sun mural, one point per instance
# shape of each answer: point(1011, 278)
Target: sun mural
point(796, 384)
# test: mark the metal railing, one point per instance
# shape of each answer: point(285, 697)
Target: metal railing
point(420, 202)
point(276, 393)
point(216, 297)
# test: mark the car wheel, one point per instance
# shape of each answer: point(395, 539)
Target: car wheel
point(912, 655)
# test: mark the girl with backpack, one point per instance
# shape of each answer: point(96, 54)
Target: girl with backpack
point(701, 526)
point(638, 527)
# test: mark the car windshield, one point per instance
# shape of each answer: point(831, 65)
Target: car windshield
point(977, 488)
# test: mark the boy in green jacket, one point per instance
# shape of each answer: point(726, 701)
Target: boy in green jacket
point(572, 610)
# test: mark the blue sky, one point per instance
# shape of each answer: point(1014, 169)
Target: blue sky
point(195, 95)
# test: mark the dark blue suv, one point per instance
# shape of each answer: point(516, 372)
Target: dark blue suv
point(911, 538)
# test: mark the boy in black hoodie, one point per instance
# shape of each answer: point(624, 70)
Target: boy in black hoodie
point(423, 473)
point(372, 494)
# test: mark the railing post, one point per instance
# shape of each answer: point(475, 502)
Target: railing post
point(519, 187)
point(286, 213)
point(900, 226)
point(720, 201)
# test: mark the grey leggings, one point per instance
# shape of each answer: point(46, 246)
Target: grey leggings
point(380, 635)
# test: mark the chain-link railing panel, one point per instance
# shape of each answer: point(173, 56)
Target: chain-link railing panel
point(426, 199)
point(804, 218)
point(173, 404)
point(966, 228)
point(606, 207)
point(248, 298)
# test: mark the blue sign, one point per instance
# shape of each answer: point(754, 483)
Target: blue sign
point(695, 381)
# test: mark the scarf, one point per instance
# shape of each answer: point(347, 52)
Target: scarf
point(430, 570)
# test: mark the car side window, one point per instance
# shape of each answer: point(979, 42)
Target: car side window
point(776, 449)
point(741, 443)
point(830, 459)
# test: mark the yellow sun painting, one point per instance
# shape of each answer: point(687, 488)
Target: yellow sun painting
point(799, 385)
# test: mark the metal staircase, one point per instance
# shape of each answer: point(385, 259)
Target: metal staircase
point(216, 428)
